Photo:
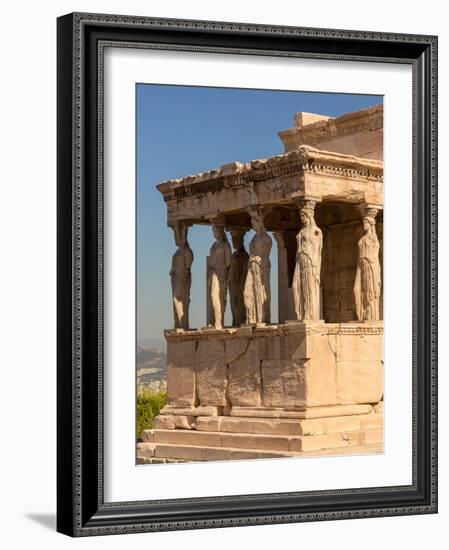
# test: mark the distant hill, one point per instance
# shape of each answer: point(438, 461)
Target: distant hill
point(151, 366)
point(150, 357)
point(152, 343)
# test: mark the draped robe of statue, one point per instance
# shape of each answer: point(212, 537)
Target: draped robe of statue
point(257, 293)
point(181, 281)
point(237, 277)
point(218, 279)
point(367, 284)
point(306, 277)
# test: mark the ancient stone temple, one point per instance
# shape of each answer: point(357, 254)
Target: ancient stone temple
point(312, 382)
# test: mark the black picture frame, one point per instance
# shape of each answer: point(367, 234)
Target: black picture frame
point(81, 509)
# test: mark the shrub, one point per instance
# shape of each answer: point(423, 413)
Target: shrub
point(148, 406)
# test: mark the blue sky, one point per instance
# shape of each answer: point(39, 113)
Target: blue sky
point(183, 130)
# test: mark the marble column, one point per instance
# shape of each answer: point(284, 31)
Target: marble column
point(181, 277)
point(307, 275)
point(237, 276)
point(368, 279)
point(282, 276)
point(257, 292)
point(219, 264)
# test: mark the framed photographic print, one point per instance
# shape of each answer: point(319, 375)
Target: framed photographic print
point(246, 274)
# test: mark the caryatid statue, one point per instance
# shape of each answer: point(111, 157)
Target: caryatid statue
point(367, 286)
point(181, 277)
point(237, 277)
point(218, 275)
point(307, 274)
point(257, 293)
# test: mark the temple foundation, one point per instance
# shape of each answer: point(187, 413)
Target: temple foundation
point(294, 389)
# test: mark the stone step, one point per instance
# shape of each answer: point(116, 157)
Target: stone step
point(309, 412)
point(164, 451)
point(264, 442)
point(221, 439)
point(193, 452)
point(145, 449)
point(278, 426)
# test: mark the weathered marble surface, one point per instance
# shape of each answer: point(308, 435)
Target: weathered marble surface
point(211, 379)
point(218, 275)
point(237, 277)
point(181, 373)
point(359, 133)
point(298, 365)
point(181, 277)
point(307, 275)
point(257, 290)
point(273, 181)
point(368, 282)
point(244, 376)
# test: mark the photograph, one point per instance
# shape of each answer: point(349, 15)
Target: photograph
point(259, 274)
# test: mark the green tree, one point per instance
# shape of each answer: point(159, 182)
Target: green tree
point(148, 406)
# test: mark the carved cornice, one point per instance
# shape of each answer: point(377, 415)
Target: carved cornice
point(304, 160)
point(259, 331)
point(325, 130)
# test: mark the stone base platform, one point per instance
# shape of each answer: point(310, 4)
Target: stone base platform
point(149, 453)
point(232, 438)
point(297, 389)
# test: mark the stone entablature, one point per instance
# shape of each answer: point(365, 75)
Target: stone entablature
point(273, 181)
point(360, 133)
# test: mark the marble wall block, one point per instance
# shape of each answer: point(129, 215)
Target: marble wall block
point(316, 360)
point(244, 377)
point(360, 374)
point(181, 373)
point(357, 347)
point(211, 372)
point(359, 381)
point(282, 384)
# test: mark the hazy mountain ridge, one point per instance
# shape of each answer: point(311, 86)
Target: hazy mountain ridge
point(151, 369)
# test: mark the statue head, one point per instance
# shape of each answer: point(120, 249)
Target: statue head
point(257, 219)
point(306, 216)
point(369, 225)
point(219, 232)
point(237, 238)
point(368, 213)
point(180, 232)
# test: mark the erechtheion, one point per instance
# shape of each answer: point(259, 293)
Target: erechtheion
point(311, 383)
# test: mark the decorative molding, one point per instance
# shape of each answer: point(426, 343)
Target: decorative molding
point(197, 24)
point(334, 128)
point(304, 160)
point(259, 331)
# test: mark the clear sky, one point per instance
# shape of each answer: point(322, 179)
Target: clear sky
point(183, 130)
